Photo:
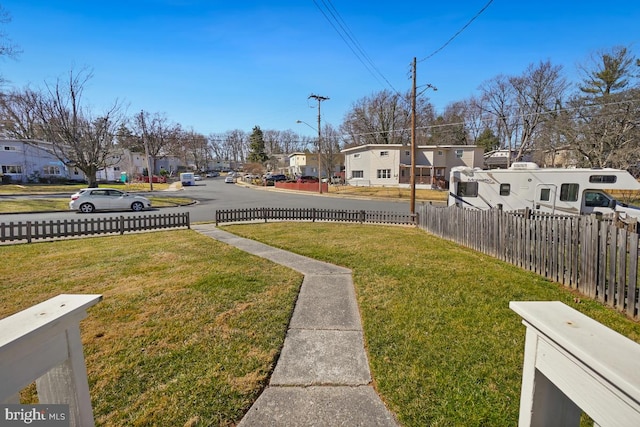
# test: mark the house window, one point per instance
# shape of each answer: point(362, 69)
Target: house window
point(407, 153)
point(467, 189)
point(569, 192)
point(9, 148)
point(459, 153)
point(439, 152)
point(51, 170)
point(384, 154)
point(384, 173)
point(11, 169)
point(356, 156)
point(357, 174)
point(505, 189)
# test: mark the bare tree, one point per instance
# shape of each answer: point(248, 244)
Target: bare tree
point(19, 114)
point(156, 135)
point(196, 148)
point(7, 47)
point(498, 101)
point(331, 146)
point(79, 138)
point(385, 118)
point(449, 128)
point(537, 91)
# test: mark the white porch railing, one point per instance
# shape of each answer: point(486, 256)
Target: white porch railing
point(42, 344)
point(573, 364)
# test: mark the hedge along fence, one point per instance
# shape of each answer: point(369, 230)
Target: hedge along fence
point(59, 229)
point(312, 214)
point(585, 253)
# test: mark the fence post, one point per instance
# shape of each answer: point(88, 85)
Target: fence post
point(28, 231)
point(46, 338)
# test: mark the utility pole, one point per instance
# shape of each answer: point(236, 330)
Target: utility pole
point(413, 137)
point(319, 99)
point(146, 151)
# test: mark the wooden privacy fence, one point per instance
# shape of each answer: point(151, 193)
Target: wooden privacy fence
point(312, 214)
point(59, 229)
point(585, 253)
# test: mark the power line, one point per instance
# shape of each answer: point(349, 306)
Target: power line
point(458, 33)
point(334, 18)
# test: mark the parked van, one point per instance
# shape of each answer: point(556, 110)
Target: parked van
point(558, 191)
point(187, 178)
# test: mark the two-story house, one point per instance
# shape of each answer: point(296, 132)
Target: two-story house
point(306, 164)
point(390, 164)
point(24, 161)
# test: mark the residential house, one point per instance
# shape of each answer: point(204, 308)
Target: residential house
point(306, 164)
point(390, 164)
point(26, 161)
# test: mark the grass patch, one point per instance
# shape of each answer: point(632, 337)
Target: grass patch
point(43, 204)
point(443, 345)
point(189, 328)
point(188, 331)
point(389, 192)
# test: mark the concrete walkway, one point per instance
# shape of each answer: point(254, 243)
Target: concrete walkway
point(322, 377)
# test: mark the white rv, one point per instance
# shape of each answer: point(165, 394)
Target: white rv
point(558, 191)
point(187, 178)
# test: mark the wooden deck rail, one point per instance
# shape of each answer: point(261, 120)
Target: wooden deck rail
point(573, 364)
point(42, 344)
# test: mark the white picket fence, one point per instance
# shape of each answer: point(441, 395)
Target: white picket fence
point(42, 344)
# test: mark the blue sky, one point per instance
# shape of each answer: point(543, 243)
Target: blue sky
point(214, 66)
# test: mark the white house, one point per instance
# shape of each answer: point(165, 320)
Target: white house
point(390, 164)
point(22, 161)
point(306, 164)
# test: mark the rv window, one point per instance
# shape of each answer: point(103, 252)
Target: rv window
point(467, 189)
point(505, 189)
point(569, 192)
point(603, 179)
point(545, 194)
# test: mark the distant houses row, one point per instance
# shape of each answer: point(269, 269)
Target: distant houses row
point(365, 165)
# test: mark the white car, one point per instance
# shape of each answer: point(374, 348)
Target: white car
point(197, 177)
point(229, 179)
point(91, 199)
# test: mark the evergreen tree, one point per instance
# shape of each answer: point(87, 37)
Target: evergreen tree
point(257, 152)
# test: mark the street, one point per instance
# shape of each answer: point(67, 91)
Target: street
point(213, 194)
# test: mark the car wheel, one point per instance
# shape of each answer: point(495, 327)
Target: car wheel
point(87, 208)
point(137, 206)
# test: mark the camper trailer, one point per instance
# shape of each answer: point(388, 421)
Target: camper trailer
point(547, 190)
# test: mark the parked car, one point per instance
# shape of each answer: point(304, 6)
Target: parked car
point(88, 200)
point(212, 174)
point(229, 179)
point(305, 178)
point(197, 177)
point(272, 179)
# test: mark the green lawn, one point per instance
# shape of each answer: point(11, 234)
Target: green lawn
point(444, 347)
point(190, 329)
